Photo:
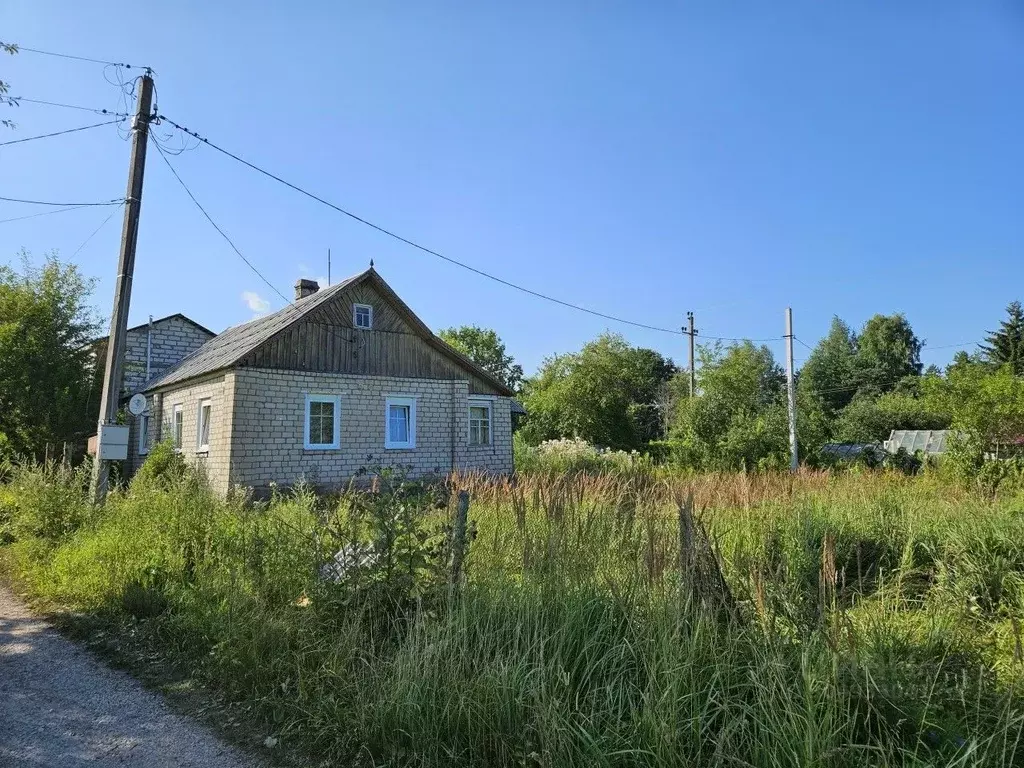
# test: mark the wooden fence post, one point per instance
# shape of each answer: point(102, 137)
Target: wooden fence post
point(686, 553)
point(459, 539)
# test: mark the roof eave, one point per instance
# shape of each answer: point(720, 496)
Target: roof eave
point(380, 285)
point(432, 338)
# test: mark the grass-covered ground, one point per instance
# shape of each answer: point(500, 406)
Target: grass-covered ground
point(863, 619)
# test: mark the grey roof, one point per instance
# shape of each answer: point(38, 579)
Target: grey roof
point(517, 407)
point(930, 441)
point(159, 320)
point(232, 345)
point(850, 450)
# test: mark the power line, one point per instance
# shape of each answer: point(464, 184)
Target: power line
point(210, 219)
point(90, 237)
point(23, 49)
point(60, 133)
point(926, 348)
point(430, 251)
point(19, 99)
point(855, 387)
point(795, 338)
point(117, 201)
point(44, 213)
point(738, 338)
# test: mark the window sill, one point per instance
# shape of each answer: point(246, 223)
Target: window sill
point(203, 452)
point(320, 449)
point(399, 447)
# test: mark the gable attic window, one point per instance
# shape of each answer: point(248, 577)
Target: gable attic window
point(400, 422)
point(322, 430)
point(203, 426)
point(362, 316)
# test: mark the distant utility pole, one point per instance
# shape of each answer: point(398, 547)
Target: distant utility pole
point(794, 462)
point(691, 332)
point(113, 373)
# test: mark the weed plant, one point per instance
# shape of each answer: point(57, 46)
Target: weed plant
point(874, 618)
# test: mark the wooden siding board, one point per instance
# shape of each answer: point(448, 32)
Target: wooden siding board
point(326, 341)
point(339, 311)
point(319, 347)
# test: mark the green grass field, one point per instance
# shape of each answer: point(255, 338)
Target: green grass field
point(832, 620)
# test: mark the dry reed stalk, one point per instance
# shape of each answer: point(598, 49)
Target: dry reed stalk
point(827, 580)
point(1018, 650)
point(686, 546)
point(760, 598)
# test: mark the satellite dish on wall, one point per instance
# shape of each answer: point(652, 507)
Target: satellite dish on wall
point(137, 405)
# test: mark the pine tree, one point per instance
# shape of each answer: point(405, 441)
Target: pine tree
point(1006, 346)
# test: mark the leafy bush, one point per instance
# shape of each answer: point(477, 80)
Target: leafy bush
point(569, 456)
point(46, 502)
point(164, 467)
point(1002, 475)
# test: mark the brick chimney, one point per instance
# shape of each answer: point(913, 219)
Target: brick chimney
point(304, 288)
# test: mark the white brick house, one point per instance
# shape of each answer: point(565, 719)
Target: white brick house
point(153, 347)
point(342, 379)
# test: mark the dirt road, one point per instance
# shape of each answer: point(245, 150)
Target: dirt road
point(61, 707)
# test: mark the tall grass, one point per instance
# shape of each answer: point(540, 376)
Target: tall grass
point(874, 619)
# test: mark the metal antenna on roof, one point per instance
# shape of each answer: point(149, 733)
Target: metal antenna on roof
point(328, 266)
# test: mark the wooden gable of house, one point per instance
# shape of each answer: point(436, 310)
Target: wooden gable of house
point(326, 341)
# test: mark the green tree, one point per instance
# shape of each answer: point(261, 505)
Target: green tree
point(1006, 346)
point(845, 366)
point(986, 408)
point(830, 374)
point(870, 419)
point(739, 419)
point(814, 426)
point(607, 394)
point(963, 361)
point(46, 366)
point(5, 87)
point(485, 348)
point(887, 351)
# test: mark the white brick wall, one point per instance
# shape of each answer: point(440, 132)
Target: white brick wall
point(269, 421)
point(216, 461)
point(258, 422)
point(172, 340)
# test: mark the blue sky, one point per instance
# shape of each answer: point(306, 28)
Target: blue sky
point(642, 159)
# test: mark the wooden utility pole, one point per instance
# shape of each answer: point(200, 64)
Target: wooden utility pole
point(794, 462)
point(113, 372)
point(691, 332)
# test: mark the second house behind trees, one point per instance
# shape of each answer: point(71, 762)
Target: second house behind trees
point(343, 379)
